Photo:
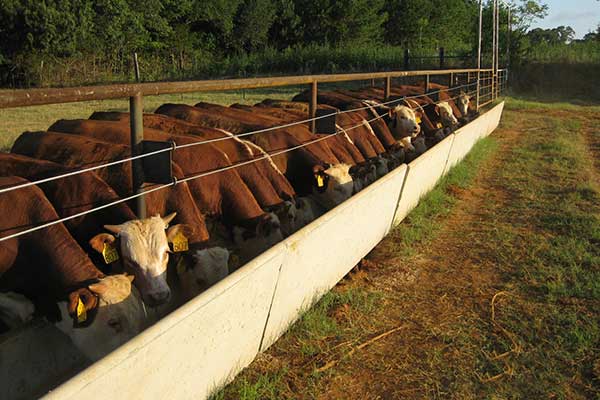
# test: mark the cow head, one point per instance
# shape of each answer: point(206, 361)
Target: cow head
point(444, 110)
point(403, 122)
point(263, 234)
point(287, 214)
point(334, 185)
point(144, 246)
point(463, 103)
point(210, 265)
point(119, 315)
point(304, 212)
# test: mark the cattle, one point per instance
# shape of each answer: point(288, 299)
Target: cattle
point(73, 151)
point(48, 267)
point(269, 186)
point(71, 195)
point(119, 316)
point(308, 167)
point(221, 195)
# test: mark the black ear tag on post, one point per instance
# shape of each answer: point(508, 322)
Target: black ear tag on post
point(157, 167)
point(326, 124)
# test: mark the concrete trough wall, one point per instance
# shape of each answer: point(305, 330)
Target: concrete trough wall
point(205, 343)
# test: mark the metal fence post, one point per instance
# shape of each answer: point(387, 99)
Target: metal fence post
point(478, 88)
point(387, 88)
point(136, 119)
point(442, 58)
point(426, 83)
point(406, 59)
point(312, 107)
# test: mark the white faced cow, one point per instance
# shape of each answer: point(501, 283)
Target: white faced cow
point(120, 315)
point(446, 115)
point(144, 246)
point(463, 103)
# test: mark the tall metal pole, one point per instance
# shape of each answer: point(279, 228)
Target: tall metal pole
point(479, 55)
point(493, 89)
point(312, 106)
point(136, 121)
point(497, 47)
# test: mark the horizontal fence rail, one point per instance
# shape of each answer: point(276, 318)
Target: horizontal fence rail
point(30, 97)
point(136, 91)
point(203, 174)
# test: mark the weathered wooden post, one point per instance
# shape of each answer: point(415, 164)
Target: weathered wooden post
point(312, 106)
point(136, 120)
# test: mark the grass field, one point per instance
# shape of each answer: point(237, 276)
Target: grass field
point(489, 290)
point(14, 121)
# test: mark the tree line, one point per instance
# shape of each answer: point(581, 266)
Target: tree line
point(48, 42)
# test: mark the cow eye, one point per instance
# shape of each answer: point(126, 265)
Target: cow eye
point(115, 324)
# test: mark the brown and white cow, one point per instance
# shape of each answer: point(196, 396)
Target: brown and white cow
point(48, 267)
point(222, 195)
point(308, 167)
point(143, 257)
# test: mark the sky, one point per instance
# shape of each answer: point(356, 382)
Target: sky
point(581, 15)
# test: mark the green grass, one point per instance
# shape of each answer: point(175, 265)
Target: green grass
point(14, 121)
point(536, 241)
point(423, 222)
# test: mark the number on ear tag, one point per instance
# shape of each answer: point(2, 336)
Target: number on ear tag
point(320, 182)
point(81, 311)
point(110, 253)
point(418, 120)
point(180, 243)
point(439, 125)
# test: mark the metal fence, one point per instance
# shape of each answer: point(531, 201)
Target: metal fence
point(485, 85)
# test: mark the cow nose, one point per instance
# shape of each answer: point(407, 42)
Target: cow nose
point(159, 298)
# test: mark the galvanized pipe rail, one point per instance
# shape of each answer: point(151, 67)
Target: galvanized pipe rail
point(136, 91)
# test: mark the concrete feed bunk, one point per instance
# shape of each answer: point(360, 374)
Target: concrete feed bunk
point(202, 345)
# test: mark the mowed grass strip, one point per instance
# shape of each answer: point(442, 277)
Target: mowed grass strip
point(354, 311)
point(492, 282)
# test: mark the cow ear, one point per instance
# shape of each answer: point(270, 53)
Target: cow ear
point(185, 229)
point(98, 241)
point(169, 218)
point(130, 277)
point(86, 297)
point(116, 229)
point(98, 288)
point(391, 112)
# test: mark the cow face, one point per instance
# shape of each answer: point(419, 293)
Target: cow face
point(338, 186)
point(403, 122)
point(119, 316)
point(209, 267)
point(463, 103)
point(15, 309)
point(287, 214)
point(445, 112)
point(264, 235)
point(304, 213)
point(145, 252)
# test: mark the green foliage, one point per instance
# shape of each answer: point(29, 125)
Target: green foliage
point(71, 42)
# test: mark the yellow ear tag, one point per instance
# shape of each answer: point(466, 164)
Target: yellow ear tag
point(180, 243)
point(418, 120)
point(110, 253)
point(81, 312)
point(439, 125)
point(180, 266)
point(320, 182)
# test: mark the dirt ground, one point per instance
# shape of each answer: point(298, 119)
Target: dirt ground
point(443, 324)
